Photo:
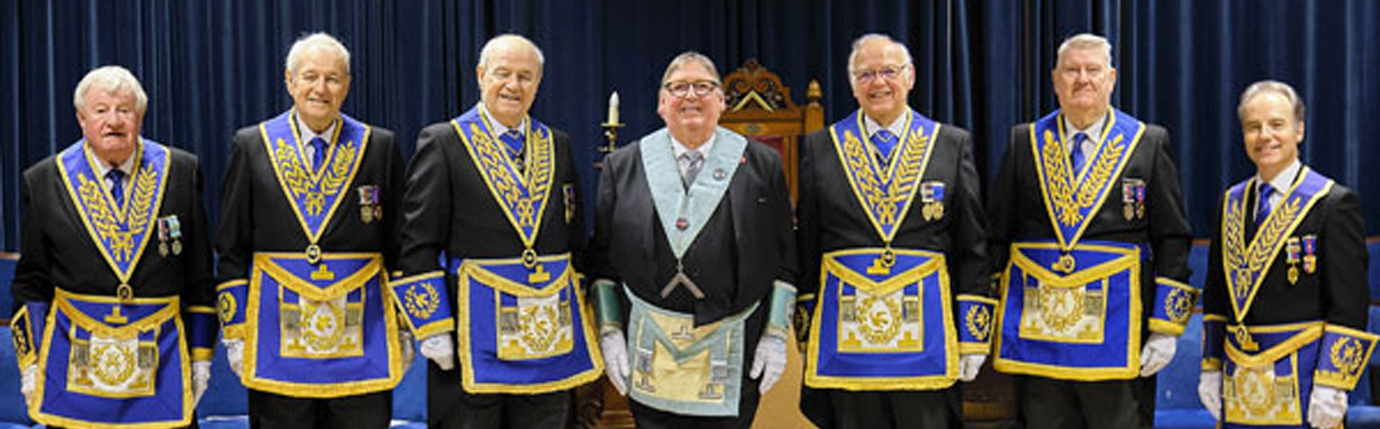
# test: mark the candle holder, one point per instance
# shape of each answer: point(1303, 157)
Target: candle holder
point(610, 134)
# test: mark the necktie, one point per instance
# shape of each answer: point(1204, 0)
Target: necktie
point(885, 142)
point(318, 152)
point(117, 186)
point(513, 140)
point(1262, 208)
point(692, 161)
point(1076, 156)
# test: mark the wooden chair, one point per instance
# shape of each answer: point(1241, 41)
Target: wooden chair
point(760, 107)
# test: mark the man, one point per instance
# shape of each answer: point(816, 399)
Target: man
point(113, 288)
point(1091, 247)
point(1284, 329)
point(695, 262)
point(305, 240)
point(490, 252)
point(892, 248)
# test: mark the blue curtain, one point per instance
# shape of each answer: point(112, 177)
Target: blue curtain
point(212, 67)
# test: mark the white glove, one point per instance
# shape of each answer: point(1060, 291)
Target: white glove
point(26, 386)
point(1158, 351)
point(201, 379)
point(440, 349)
point(408, 346)
point(969, 364)
point(769, 361)
point(1210, 392)
point(615, 348)
point(234, 352)
point(1326, 407)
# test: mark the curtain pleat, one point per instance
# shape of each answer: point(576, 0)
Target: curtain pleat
point(212, 67)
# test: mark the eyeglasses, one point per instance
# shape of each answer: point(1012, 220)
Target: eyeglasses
point(683, 89)
point(889, 73)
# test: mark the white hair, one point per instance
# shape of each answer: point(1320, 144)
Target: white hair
point(869, 38)
point(1086, 41)
point(317, 41)
point(112, 79)
point(686, 58)
point(1271, 86)
point(491, 47)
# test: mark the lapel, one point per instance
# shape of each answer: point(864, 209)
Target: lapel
point(743, 207)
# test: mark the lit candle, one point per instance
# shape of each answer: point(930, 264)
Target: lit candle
point(613, 108)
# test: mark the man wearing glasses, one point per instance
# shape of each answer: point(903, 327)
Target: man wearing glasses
point(893, 254)
point(490, 254)
point(1091, 251)
point(694, 262)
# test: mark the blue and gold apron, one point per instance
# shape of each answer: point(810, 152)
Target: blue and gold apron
point(324, 330)
point(885, 316)
point(315, 324)
point(1269, 370)
point(523, 326)
point(107, 362)
point(518, 335)
point(1071, 308)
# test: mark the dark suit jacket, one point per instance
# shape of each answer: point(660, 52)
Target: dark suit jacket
point(56, 250)
point(1016, 206)
point(626, 228)
point(449, 209)
point(256, 215)
point(1335, 293)
point(832, 219)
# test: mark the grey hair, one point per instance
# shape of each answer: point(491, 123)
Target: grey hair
point(1271, 86)
point(114, 79)
point(686, 58)
point(320, 41)
point(1086, 41)
point(868, 38)
point(491, 48)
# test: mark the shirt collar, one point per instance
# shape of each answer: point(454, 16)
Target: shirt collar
point(1284, 179)
point(102, 167)
point(497, 127)
point(897, 127)
point(307, 134)
point(703, 149)
point(1094, 131)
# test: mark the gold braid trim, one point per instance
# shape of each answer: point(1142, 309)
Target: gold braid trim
point(104, 220)
point(885, 200)
point(1068, 205)
point(507, 188)
point(299, 181)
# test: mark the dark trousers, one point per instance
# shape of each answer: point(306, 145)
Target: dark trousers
point(273, 411)
point(651, 418)
point(449, 406)
point(1047, 403)
point(896, 409)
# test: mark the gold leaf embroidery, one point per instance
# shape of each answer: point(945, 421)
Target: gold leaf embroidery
point(313, 191)
point(508, 186)
point(117, 232)
point(884, 200)
point(1060, 181)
